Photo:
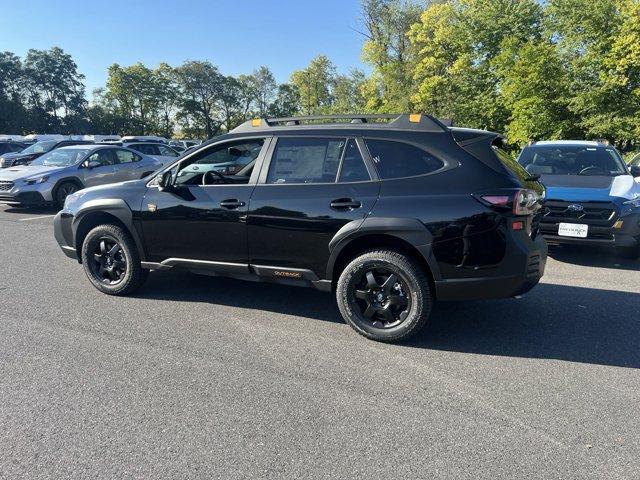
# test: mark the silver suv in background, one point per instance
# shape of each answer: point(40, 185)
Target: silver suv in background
point(54, 175)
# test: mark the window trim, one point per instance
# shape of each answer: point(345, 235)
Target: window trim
point(446, 164)
point(368, 162)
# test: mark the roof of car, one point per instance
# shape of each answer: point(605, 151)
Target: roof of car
point(584, 143)
point(411, 122)
point(84, 146)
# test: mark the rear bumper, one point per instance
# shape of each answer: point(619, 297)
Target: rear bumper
point(530, 271)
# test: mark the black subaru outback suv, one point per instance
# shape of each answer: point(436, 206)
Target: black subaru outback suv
point(389, 212)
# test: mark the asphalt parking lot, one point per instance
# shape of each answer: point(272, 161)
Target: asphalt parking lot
point(214, 378)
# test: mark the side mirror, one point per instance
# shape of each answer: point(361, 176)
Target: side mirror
point(635, 171)
point(164, 181)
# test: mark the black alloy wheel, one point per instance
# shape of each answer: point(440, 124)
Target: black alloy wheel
point(108, 264)
point(381, 297)
point(63, 191)
point(385, 295)
point(111, 260)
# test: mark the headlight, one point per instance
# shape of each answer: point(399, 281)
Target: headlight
point(33, 181)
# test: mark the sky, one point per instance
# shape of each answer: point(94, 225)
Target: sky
point(237, 36)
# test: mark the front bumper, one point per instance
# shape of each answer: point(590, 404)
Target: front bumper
point(29, 195)
point(22, 198)
point(626, 235)
point(63, 232)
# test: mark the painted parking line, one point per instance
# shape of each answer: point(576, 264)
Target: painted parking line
point(35, 218)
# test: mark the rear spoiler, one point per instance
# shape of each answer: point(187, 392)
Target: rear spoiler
point(479, 143)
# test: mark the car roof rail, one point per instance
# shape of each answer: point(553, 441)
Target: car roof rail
point(413, 121)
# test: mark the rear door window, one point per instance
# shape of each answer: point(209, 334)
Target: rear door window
point(125, 156)
point(147, 149)
point(398, 159)
point(104, 157)
point(306, 160)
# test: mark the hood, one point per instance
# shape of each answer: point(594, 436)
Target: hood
point(13, 155)
point(27, 171)
point(592, 188)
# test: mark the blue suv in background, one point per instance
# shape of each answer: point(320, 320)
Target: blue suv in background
point(592, 196)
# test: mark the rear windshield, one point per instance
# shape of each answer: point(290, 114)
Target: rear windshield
point(571, 160)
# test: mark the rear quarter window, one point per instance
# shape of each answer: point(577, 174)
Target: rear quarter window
point(395, 159)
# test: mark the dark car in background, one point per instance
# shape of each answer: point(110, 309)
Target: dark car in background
point(11, 146)
point(389, 213)
point(29, 154)
point(592, 195)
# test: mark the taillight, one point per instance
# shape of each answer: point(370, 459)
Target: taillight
point(497, 200)
point(521, 202)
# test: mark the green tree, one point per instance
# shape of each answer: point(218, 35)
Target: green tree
point(13, 114)
point(459, 52)
point(348, 93)
point(55, 90)
point(200, 86)
point(598, 41)
point(535, 90)
point(136, 92)
point(314, 85)
point(105, 117)
point(388, 50)
point(165, 80)
point(286, 102)
point(265, 88)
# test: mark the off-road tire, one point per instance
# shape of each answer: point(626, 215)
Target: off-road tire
point(414, 279)
point(132, 275)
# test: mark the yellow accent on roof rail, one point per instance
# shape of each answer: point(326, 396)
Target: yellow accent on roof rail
point(256, 122)
point(415, 118)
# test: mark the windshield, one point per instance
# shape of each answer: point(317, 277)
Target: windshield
point(61, 157)
point(572, 160)
point(40, 147)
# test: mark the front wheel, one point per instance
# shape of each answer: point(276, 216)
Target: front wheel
point(384, 295)
point(111, 260)
point(63, 191)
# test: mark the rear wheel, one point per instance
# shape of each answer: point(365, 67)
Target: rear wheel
point(384, 295)
point(63, 191)
point(111, 260)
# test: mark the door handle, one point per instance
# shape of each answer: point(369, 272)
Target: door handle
point(345, 204)
point(232, 204)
